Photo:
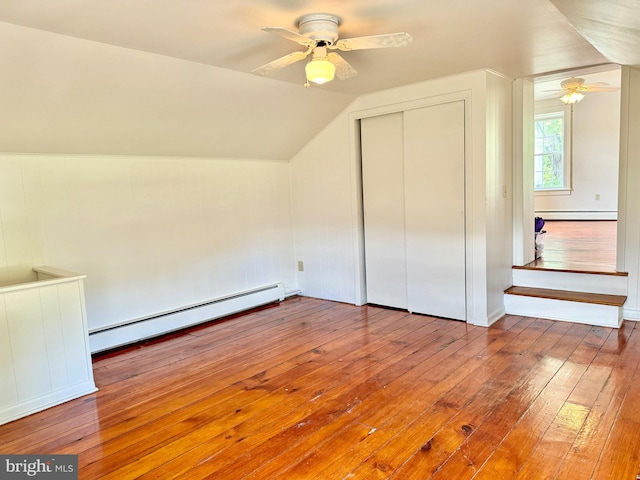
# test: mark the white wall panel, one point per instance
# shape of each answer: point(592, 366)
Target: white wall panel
point(629, 195)
point(152, 234)
point(71, 307)
point(15, 253)
point(499, 196)
point(521, 189)
point(325, 221)
point(28, 343)
point(53, 329)
point(8, 383)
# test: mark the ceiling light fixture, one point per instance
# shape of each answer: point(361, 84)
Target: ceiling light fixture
point(320, 70)
point(571, 97)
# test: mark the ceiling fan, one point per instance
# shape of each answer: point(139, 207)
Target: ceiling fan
point(573, 89)
point(319, 33)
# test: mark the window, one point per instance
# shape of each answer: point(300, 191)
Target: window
point(552, 153)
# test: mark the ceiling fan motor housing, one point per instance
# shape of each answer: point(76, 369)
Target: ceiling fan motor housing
point(321, 27)
point(571, 83)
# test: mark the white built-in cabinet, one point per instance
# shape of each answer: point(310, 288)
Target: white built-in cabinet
point(413, 174)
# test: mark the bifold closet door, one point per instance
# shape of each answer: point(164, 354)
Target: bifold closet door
point(413, 170)
point(383, 199)
point(434, 172)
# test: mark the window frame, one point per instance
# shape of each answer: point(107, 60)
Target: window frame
point(546, 109)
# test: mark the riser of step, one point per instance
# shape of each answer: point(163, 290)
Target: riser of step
point(564, 310)
point(577, 282)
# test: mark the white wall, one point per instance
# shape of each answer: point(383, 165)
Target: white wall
point(499, 178)
point(628, 259)
point(327, 196)
point(596, 133)
point(324, 214)
point(151, 233)
point(522, 192)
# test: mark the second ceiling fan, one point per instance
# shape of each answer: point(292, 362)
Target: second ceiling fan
point(573, 89)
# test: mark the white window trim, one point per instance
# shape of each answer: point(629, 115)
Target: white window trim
point(548, 107)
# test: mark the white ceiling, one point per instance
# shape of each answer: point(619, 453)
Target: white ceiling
point(173, 76)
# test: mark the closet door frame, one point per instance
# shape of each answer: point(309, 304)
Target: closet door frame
point(354, 125)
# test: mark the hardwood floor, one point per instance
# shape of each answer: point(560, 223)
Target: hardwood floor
point(579, 246)
point(311, 389)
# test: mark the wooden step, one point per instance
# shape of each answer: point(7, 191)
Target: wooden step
point(570, 306)
point(535, 266)
point(566, 295)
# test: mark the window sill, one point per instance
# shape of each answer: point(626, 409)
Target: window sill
point(553, 191)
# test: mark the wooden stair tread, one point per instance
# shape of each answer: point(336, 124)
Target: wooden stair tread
point(596, 298)
point(532, 266)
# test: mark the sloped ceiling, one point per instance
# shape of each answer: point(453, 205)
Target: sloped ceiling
point(64, 95)
point(173, 77)
point(613, 28)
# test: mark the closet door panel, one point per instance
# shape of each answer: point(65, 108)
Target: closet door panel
point(383, 200)
point(434, 175)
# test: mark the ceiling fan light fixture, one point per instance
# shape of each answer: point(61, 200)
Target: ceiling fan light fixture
point(320, 70)
point(318, 33)
point(572, 97)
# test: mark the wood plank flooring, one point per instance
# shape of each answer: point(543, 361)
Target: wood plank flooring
point(587, 246)
point(311, 389)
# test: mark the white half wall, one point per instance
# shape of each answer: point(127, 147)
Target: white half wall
point(152, 234)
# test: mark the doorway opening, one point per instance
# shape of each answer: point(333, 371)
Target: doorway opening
point(578, 195)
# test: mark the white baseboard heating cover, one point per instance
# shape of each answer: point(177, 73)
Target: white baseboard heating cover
point(104, 338)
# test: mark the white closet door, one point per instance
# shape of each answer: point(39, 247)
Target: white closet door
point(434, 175)
point(383, 199)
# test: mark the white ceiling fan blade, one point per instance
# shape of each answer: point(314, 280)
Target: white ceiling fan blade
point(280, 63)
point(343, 69)
point(597, 88)
point(597, 84)
point(388, 40)
point(290, 35)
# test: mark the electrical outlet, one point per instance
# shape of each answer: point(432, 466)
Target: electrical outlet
point(597, 196)
point(300, 266)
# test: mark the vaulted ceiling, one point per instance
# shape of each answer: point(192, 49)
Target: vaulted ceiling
point(173, 77)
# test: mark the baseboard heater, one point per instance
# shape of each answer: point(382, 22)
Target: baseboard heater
point(105, 338)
